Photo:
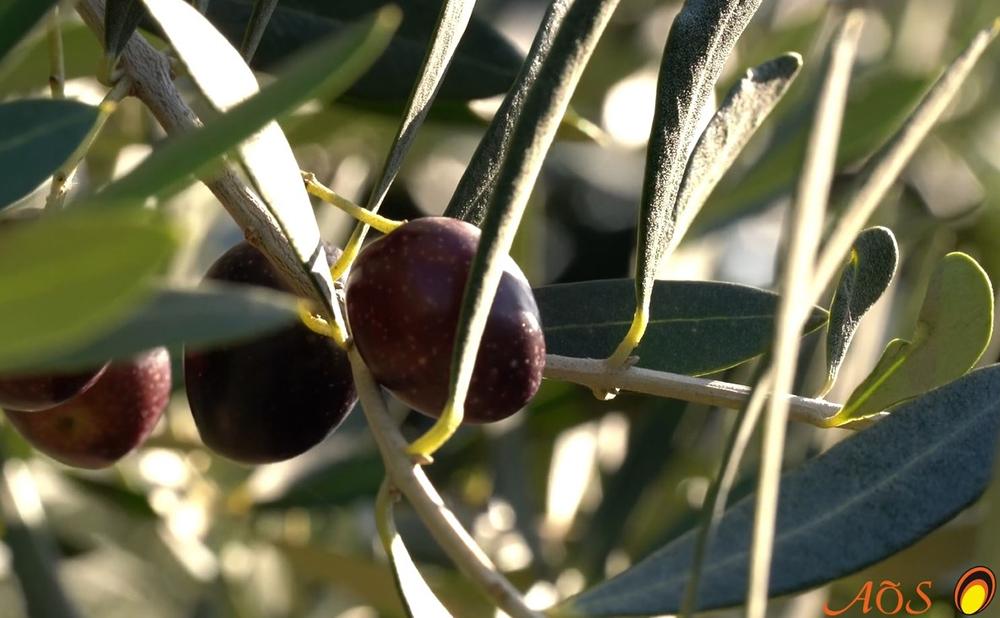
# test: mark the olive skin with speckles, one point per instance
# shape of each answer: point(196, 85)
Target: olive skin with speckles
point(108, 420)
point(34, 392)
point(274, 397)
point(404, 296)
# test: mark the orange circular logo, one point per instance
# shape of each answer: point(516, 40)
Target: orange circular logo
point(974, 590)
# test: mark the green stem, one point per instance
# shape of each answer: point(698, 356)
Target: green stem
point(377, 221)
point(62, 177)
point(57, 62)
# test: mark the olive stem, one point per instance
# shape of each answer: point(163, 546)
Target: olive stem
point(594, 373)
point(319, 325)
point(411, 481)
point(318, 189)
point(57, 62)
point(63, 176)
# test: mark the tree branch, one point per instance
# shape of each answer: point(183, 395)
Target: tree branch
point(411, 481)
point(595, 374)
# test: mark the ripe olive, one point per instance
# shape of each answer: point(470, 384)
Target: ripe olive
point(404, 295)
point(272, 398)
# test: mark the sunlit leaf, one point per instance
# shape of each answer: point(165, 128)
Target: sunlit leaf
point(701, 38)
point(36, 137)
point(696, 327)
point(865, 278)
point(65, 277)
point(743, 111)
point(865, 499)
point(322, 71)
point(953, 330)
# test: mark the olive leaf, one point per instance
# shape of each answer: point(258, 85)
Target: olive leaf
point(953, 330)
point(696, 327)
point(17, 17)
point(743, 111)
point(869, 270)
point(701, 38)
point(200, 317)
point(36, 137)
point(417, 597)
point(259, 18)
point(324, 70)
point(121, 18)
point(468, 202)
point(544, 106)
point(226, 81)
point(56, 292)
point(865, 499)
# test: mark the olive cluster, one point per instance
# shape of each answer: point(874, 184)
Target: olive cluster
point(277, 396)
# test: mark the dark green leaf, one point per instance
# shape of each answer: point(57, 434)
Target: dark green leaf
point(121, 18)
point(869, 271)
point(744, 109)
point(468, 202)
point(68, 276)
point(865, 499)
point(701, 38)
point(696, 327)
point(322, 71)
point(17, 17)
point(484, 66)
point(953, 330)
point(36, 137)
point(201, 317)
point(257, 24)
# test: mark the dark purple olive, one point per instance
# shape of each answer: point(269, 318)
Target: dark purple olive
point(272, 398)
point(33, 392)
point(108, 420)
point(404, 295)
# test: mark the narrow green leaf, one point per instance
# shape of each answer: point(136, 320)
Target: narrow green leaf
point(953, 330)
point(544, 107)
point(17, 17)
point(417, 597)
point(743, 111)
point(66, 277)
point(468, 202)
point(866, 277)
point(485, 63)
point(321, 71)
point(701, 38)
point(121, 18)
point(865, 499)
point(696, 327)
point(200, 317)
point(36, 137)
point(28, 69)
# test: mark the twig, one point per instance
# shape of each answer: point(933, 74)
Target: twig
point(595, 373)
point(64, 175)
point(440, 521)
point(57, 61)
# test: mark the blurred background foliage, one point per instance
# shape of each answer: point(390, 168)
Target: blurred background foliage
point(571, 490)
